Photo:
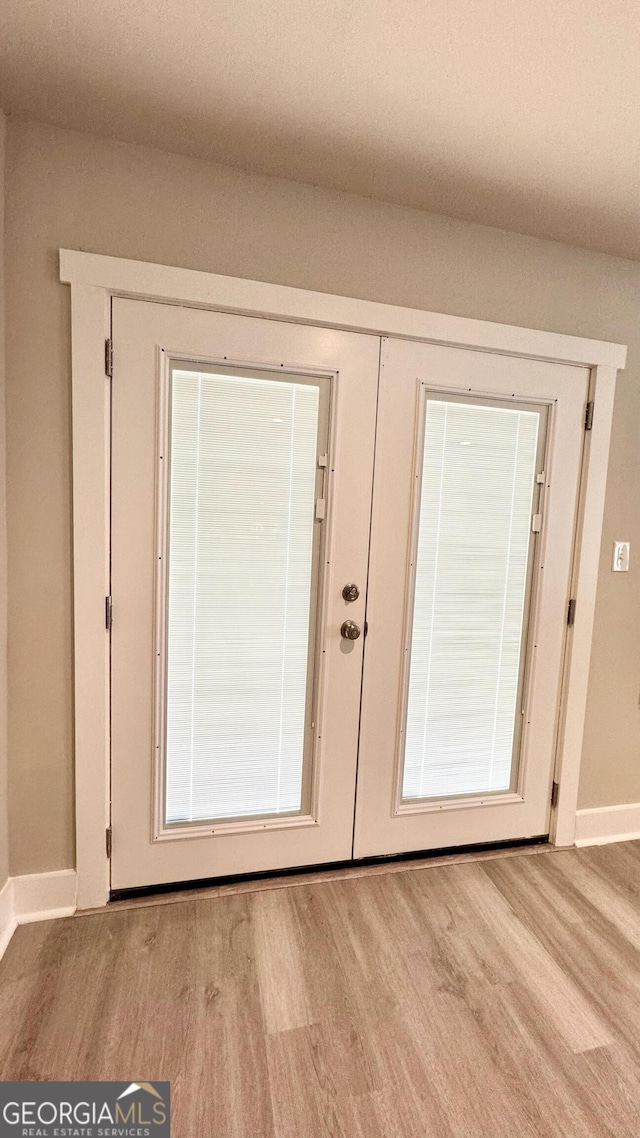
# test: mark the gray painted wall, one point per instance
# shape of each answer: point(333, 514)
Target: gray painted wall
point(79, 191)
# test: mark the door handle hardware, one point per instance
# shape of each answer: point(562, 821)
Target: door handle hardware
point(350, 630)
point(351, 592)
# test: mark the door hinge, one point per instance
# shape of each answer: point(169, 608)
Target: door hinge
point(571, 611)
point(108, 358)
point(108, 613)
point(588, 416)
point(109, 841)
point(555, 786)
point(536, 523)
point(320, 509)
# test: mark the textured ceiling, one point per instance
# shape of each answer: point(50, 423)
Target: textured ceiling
point(519, 113)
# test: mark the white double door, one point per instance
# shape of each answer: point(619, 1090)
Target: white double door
point(340, 575)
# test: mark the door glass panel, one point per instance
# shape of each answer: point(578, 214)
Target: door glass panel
point(472, 580)
point(241, 586)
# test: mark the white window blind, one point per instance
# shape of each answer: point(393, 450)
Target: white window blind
point(478, 476)
point(241, 531)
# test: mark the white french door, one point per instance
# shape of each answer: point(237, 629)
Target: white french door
point(477, 470)
point(253, 726)
point(242, 459)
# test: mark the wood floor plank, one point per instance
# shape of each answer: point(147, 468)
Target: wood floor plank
point(327, 989)
point(595, 955)
point(64, 999)
point(531, 1059)
point(609, 1083)
point(306, 1100)
point(231, 1073)
point(559, 998)
point(618, 862)
point(421, 1046)
point(489, 999)
point(278, 955)
point(612, 898)
point(461, 946)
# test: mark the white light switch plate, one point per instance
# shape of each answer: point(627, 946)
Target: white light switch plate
point(620, 556)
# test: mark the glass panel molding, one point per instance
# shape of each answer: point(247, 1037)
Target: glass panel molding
point(471, 582)
point(239, 594)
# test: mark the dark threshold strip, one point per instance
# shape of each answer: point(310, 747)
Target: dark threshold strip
point(325, 867)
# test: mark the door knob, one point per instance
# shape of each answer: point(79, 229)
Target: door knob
point(350, 630)
point(351, 592)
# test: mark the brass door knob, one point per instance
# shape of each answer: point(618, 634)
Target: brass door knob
point(350, 630)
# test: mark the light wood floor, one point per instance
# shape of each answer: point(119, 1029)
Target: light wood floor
point(483, 999)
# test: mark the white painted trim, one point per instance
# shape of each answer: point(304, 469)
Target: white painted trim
point(233, 294)
point(584, 587)
point(8, 921)
point(36, 897)
point(90, 325)
point(604, 824)
point(44, 896)
point(94, 280)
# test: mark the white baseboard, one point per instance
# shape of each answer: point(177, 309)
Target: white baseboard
point(608, 824)
point(7, 915)
point(44, 896)
point(36, 897)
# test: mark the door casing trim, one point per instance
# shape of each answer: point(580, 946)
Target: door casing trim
point(94, 280)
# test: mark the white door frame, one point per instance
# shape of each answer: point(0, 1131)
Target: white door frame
point(94, 279)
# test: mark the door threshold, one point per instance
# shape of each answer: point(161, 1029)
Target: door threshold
point(324, 870)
